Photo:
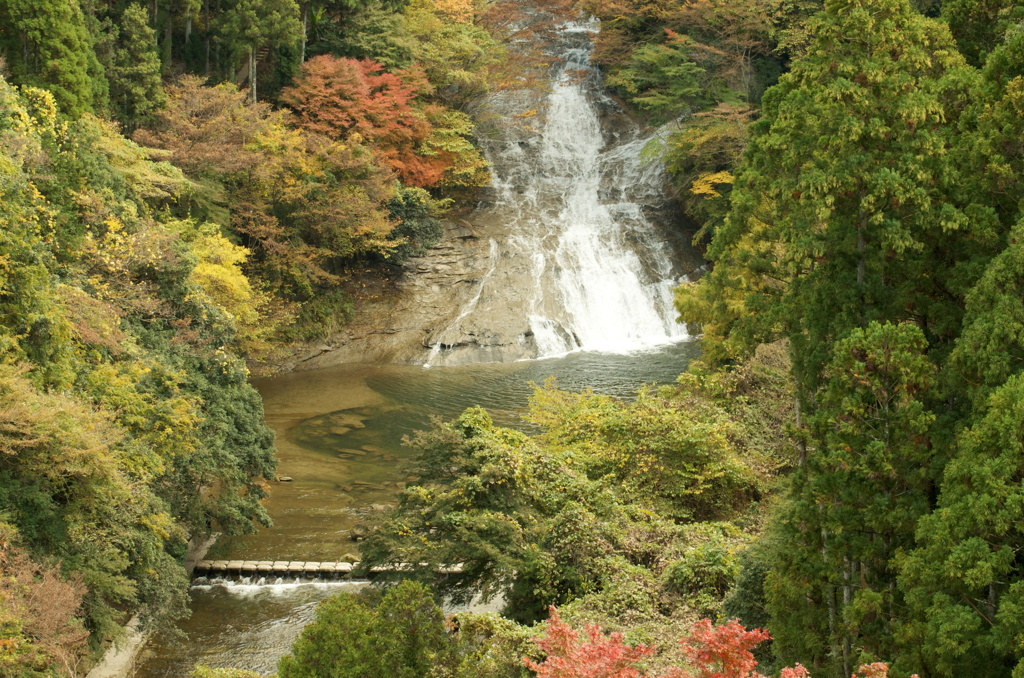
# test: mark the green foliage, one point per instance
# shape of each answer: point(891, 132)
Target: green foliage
point(746, 600)
point(490, 646)
point(706, 570)
point(251, 24)
point(847, 169)
point(992, 142)
point(375, 32)
point(964, 582)
point(135, 88)
point(321, 316)
point(523, 522)
point(48, 45)
point(576, 511)
point(854, 502)
point(701, 156)
point(663, 79)
point(989, 351)
point(458, 56)
point(203, 671)
point(418, 227)
point(980, 25)
point(127, 423)
point(677, 455)
point(72, 484)
point(403, 636)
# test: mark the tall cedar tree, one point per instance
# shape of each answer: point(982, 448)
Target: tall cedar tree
point(964, 584)
point(841, 216)
point(854, 504)
point(249, 25)
point(980, 25)
point(47, 44)
point(135, 87)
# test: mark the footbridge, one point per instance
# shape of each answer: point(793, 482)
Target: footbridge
point(296, 568)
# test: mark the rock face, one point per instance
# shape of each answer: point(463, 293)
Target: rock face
point(575, 245)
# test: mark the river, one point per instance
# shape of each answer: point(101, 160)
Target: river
point(339, 435)
point(582, 251)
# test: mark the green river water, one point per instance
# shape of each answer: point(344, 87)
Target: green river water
point(339, 434)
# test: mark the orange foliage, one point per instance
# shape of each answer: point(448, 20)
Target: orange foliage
point(461, 11)
point(602, 657)
point(345, 97)
point(207, 129)
point(712, 651)
point(38, 625)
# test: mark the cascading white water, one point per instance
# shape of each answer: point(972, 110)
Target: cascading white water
point(599, 279)
point(576, 261)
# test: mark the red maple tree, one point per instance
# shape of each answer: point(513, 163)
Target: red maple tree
point(341, 98)
point(721, 651)
point(601, 657)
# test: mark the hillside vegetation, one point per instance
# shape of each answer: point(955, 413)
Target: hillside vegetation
point(160, 226)
point(188, 184)
point(854, 166)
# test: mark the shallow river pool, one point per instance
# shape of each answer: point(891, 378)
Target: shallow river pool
point(339, 439)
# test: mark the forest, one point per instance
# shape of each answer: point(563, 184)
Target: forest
point(189, 188)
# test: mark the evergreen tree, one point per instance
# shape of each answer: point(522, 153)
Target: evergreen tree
point(854, 503)
point(664, 80)
point(403, 637)
point(980, 25)
point(248, 25)
point(47, 44)
point(991, 348)
point(993, 138)
point(841, 215)
point(965, 583)
point(135, 72)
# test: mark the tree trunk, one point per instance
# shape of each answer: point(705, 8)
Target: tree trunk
point(847, 599)
point(252, 73)
point(188, 28)
point(830, 598)
point(206, 36)
point(305, 29)
point(801, 444)
point(167, 41)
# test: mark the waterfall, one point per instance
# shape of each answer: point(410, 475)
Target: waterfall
point(581, 257)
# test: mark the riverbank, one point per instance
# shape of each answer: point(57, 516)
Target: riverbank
point(120, 659)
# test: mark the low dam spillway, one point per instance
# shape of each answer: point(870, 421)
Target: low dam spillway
point(321, 570)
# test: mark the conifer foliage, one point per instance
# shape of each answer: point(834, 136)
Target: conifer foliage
point(873, 222)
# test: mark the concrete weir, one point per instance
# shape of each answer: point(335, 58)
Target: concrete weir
point(296, 568)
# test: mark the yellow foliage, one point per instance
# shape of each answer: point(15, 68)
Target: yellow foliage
point(459, 11)
point(147, 179)
point(218, 272)
point(705, 183)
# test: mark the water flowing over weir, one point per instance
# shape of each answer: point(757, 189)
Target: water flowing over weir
point(581, 256)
